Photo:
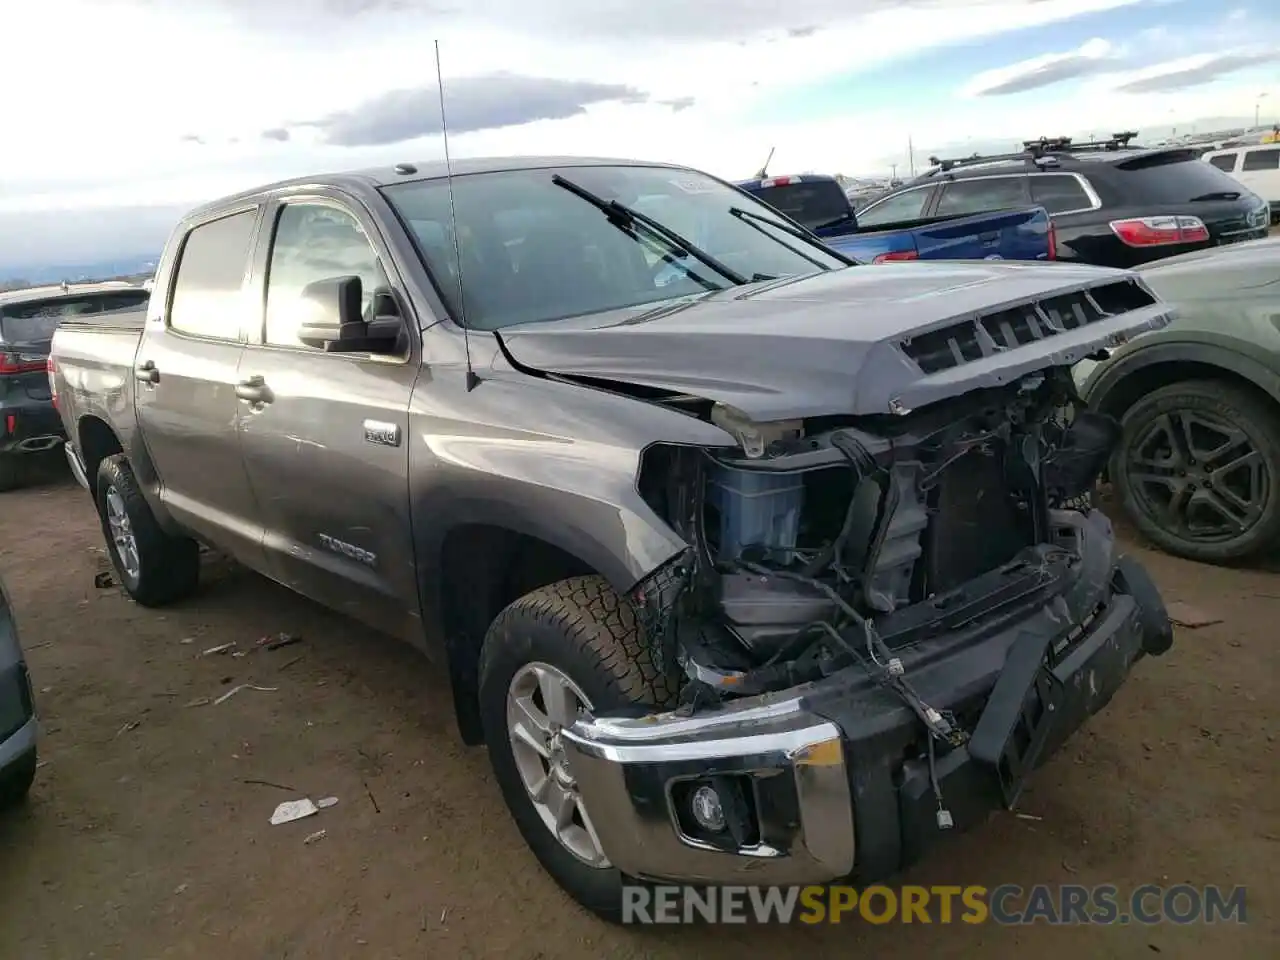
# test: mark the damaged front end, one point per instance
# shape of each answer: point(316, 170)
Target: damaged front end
point(884, 623)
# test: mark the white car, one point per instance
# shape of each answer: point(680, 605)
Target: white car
point(1256, 166)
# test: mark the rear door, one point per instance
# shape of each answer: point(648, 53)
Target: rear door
point(326, 443)
point(185, 378)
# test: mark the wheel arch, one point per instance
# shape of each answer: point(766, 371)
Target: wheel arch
point(482, 567)
point(1116, 387)
point(95, 441)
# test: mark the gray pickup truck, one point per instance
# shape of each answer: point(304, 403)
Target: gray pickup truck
point(765, 574)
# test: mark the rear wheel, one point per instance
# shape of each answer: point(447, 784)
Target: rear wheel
point(562, 649)
point(1198, 469)
point(154, 567)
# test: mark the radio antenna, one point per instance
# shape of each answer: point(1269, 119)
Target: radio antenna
point(472, 379)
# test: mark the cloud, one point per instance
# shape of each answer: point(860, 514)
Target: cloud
point(276, 133)
point(678, 103)
point(193, 138)
point(1093, 56)
point(471, 104)
point(1195, 71)
point(797, 32)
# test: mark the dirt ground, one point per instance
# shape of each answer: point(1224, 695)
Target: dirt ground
point(147, 834)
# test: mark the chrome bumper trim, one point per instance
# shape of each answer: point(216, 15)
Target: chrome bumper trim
point(625, 769)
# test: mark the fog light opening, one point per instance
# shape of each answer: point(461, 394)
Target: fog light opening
point(719, 811)
point(707, 809)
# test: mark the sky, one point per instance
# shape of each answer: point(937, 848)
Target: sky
point(135, 110)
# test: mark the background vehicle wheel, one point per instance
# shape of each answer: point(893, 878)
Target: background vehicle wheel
point(15, 782)
point(566, 647)
point(153, 567)
point(10, 473)
point(1198, 470)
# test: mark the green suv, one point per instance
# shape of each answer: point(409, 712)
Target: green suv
point(1198, 466)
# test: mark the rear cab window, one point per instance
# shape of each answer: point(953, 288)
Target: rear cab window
point(811, 203)
point(1226, 162)
point(208, 291)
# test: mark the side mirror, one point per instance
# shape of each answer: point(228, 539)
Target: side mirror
point(331, 312)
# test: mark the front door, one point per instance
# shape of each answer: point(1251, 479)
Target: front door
point(185, 387)
point(325, 442)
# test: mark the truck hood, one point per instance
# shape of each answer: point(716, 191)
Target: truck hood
point(863, 340)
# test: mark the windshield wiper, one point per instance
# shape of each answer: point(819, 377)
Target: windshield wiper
point(1217, 195)
point(623, 215)
point(755, 220)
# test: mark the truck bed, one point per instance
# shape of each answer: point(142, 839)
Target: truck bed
point(1021, 234)
point(94, 370)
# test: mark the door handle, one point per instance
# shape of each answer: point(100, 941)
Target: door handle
point(991, 237)
point(146, 372)
point(254, 390)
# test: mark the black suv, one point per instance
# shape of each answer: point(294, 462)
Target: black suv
point(29, 424)
point(1112, 203)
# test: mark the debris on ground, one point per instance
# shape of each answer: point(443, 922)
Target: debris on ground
point(278, 786)
point(1185, 615)
point(103, 580)
point(131, 725)
point(220, 648)
point(1027, 816)
point(244, 686)
point(325, 802)
point(311, 838)
point(291, 810)
point(276, 641)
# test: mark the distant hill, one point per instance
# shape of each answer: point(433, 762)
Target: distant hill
point(17, 275)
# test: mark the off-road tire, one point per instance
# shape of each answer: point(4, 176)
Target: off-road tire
point(169, 566)
point(585, 629)
point(16, 781)
point(1248, 411)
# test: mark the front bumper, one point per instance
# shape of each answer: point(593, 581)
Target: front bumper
point(832, 772)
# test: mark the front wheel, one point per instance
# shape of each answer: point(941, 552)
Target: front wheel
point(154, 567)
point(565, 648)
point(1198, 469)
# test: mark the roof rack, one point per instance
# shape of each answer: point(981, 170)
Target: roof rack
point(1035, 150)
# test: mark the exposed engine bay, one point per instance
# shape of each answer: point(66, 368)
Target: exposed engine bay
point(821, 543)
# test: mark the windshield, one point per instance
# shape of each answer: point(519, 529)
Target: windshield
point(535, 251)
point(813, 203)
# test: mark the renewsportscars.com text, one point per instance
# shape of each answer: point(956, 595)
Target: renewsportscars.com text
point(1005, 905)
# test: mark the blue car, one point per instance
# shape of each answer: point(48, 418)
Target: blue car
point(17, 712)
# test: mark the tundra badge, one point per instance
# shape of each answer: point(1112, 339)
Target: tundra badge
point(382, 433)
point(367, 557)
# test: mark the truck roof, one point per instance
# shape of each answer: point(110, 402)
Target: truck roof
point(782, 180)
point(55, 290)
point(407, 172)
